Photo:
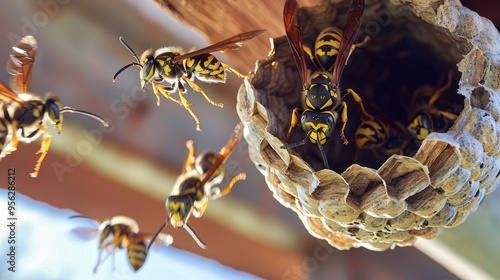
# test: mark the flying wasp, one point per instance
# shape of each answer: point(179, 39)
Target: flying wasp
point(323, 98)
point(173, 65)
point(23, 115)
point(121, 232)
point(197, 184)
point(427, 117)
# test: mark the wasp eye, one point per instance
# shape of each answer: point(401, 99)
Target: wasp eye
point(53, 110)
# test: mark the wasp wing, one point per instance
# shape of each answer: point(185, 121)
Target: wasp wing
point(6, 94)
point(161, 239)
point(21, 63)
point(291, 18)
point(224, 152)
point(354, 17)
point(232, 43)
point(85, 232)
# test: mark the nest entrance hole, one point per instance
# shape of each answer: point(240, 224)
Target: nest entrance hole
point(405, 58)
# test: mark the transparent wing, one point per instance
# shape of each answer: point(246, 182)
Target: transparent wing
point(291, 19)
point(232, 43)
point(6, 94)
point(21, 63)
point(225, 152)
point(354, 17)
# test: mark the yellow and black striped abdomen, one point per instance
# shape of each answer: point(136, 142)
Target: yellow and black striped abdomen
point(327, 46)
point(371, 134)
point(205, 67)
point(136, 252)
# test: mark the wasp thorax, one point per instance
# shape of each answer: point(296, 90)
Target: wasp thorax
point(320, 92)
point(205, 160)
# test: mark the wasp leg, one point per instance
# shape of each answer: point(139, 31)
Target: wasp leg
point(44, 148)
point(165, 91)
point(358, 45)
point(187, 106)
point(293, 121)
point(435, 96)
point(195, 87)
point(198, 211)
point(227, 67)
point(343, 119)
point(358, 100)
point(218, 192)
point(190, 157)
point(106, 246)
point(14, 141)
point(448, 115)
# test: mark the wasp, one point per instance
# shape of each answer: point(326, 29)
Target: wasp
point(23, 115)
point(173, 65)
point(197, 184)
point(428, 117)
point(121, 232)
point(323, 98)
point(384, 137)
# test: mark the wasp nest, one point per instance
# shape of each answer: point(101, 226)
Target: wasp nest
point(369, 198)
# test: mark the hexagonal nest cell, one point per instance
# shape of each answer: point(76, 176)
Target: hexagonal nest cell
point(391, 193)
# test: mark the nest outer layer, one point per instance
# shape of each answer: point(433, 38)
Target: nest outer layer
point(406, 197)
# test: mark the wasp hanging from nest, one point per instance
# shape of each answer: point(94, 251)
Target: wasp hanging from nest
point(23, 115)
point(197, 184)
point(121, 232)
point(323, 98)
point(172, 65)
point(426, 117)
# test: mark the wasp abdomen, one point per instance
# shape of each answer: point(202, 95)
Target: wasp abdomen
point(327, 46)
point(206, 67)
point(137, 253)
point(371, 133)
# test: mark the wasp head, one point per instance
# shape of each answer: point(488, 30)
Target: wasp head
point(147, 62)
point(421, 126)
point(105, 230)
point(179, 207)
point(53, 110)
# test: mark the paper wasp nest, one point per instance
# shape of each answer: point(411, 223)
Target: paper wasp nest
point(371, 203)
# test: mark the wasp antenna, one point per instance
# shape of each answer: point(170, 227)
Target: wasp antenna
point(157, 233)
point(129, 48)
point(195, 237)
point(300, 143)
point(125, 67)
point(73, 110)
point(84, 217)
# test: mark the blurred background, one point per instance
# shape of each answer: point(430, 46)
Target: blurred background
point(130, 167)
